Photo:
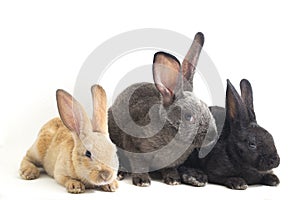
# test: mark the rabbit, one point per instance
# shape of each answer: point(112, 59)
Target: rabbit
point(77, 152)
point(152, 123)
point(245, 153)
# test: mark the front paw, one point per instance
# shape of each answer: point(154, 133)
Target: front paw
point(142, 180)
point(171, 177)
point(172, 180)
point(236, 183)
point(112, 187)
point(75, 187)
point(194, 177)
point(29, 172)
point(270, 179)
point(122, 175)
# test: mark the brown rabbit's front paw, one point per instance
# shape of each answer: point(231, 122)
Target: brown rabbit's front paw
point(236, 183)
point(75, 187)
point(270, 179)
point(29, 173)
point(112, 187)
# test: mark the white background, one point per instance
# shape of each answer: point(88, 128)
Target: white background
point(43, 46)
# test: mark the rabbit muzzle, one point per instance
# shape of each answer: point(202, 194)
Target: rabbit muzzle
point(268, 162)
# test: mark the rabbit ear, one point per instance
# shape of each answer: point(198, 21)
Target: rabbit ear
point(235, 109)
point(166, 71)
point(247, 97)
point(72, 114)
point(99, 121)
point(190, 61)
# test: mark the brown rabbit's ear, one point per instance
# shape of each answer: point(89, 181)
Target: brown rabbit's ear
point(72, 114)
point(99, 121)
point(166, 71)
point(236, 111)
point(190, 61)
point(247, 97)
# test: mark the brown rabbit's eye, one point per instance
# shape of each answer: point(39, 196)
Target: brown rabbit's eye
point(88, 154)
point(189, 117)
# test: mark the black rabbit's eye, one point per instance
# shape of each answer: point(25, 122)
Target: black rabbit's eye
point(189, 117)
point(88, 154)
point(252, 145)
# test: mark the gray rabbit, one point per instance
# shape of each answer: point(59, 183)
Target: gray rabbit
point(157, 126)
point(244, 155)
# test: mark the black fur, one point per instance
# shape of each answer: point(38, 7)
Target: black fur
point(245, 153)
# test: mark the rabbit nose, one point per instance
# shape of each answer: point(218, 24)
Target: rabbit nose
point(274, 161)
point(105, 175)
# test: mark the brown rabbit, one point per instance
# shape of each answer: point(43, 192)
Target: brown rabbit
point(75, 151)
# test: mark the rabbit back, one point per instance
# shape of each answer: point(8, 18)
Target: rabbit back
point(53, 137)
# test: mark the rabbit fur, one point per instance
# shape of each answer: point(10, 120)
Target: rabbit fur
point(147, 117)
point(78, 153)
point(244, 155)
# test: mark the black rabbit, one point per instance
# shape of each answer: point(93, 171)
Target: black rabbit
point(157, 126)
point(245, 153)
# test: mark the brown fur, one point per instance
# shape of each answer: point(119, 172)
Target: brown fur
point(62, 144)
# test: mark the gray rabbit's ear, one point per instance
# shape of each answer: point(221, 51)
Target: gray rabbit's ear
point(236, 111)
point(72, 114)
point(99, 121)
point(190, 61)
point(247, 97)
point(166, 75)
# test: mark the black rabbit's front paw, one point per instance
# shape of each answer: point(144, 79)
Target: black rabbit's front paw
point(270, 179)
point(142, 180)
point(194, 177)
point(236, 183)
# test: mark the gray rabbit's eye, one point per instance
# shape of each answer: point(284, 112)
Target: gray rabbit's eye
point(88, 154)
point(189, 117)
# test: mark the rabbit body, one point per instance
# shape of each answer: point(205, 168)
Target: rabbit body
point(156, 126)
point(75, 155)
point(245, 153)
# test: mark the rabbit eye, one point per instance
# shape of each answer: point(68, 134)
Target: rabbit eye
point(88, 154)
point(189, 117)
point(252, 145)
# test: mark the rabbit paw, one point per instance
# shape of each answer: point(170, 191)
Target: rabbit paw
point(142, 180)
point(112, 187)
point(29, 172)
point(270, 179)
point(236, 183)
point(75, 187)
point(196, 179)
point(172, 179)
point(122, 175)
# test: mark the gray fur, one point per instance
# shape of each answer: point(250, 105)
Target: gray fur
point(157, 126)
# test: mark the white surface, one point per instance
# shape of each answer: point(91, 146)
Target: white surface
point(43, 45)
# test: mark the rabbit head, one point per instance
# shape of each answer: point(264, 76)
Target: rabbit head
point(182, 109)
point(94, 156)
point(249, 143)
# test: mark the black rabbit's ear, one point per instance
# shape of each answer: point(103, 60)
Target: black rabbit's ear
point(236, 111)
point(247, 97)
point(190, 61)
point(166, 70)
